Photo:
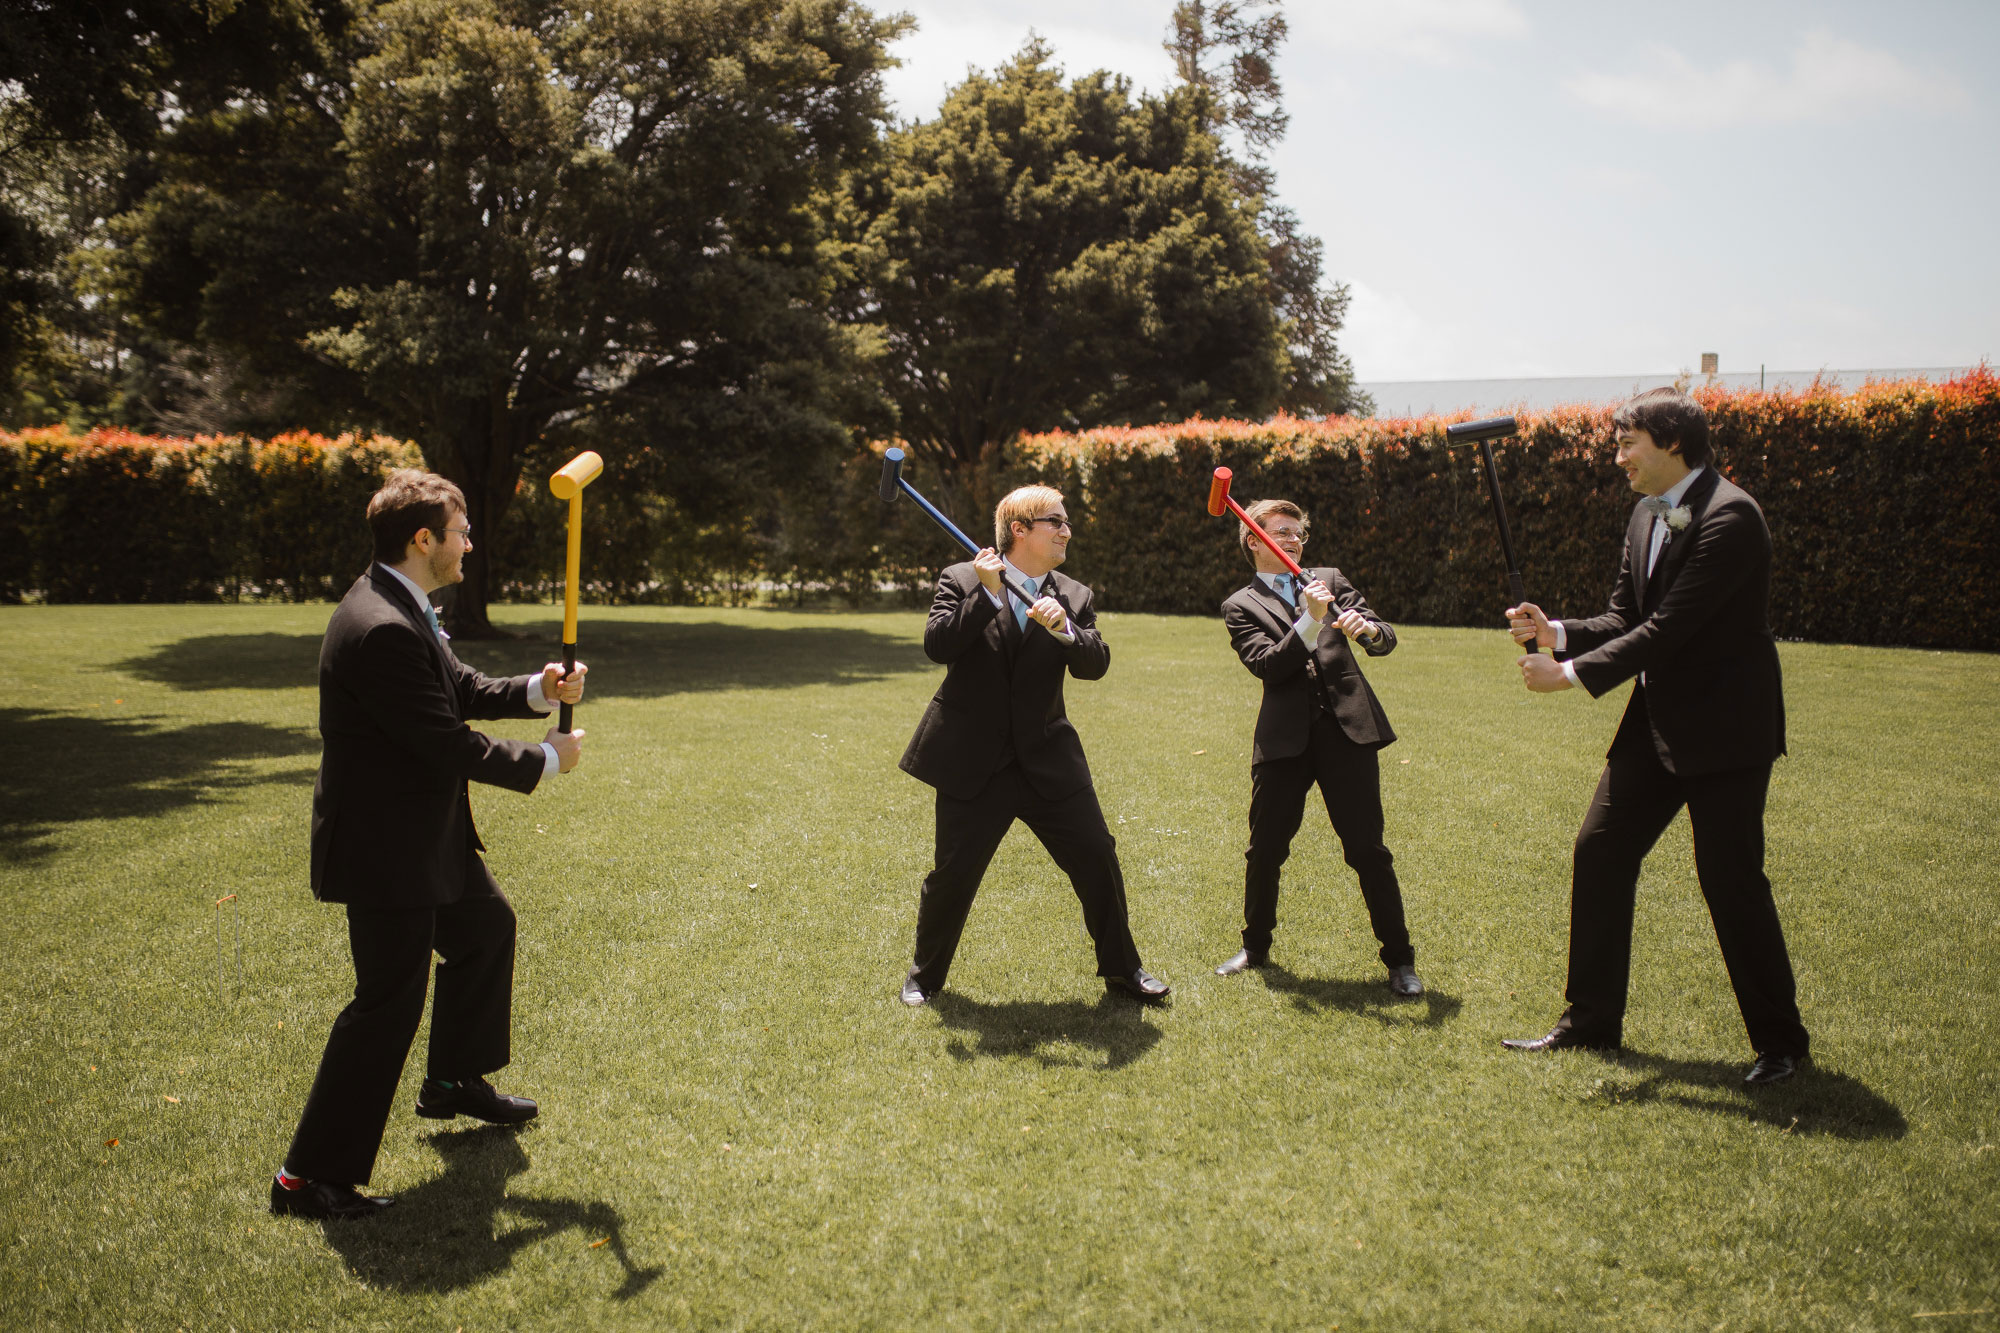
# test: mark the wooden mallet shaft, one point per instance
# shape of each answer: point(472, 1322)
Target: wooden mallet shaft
point(1219, 499)
point(567, 484)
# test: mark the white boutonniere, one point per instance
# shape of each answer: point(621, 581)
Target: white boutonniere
point(1679, 517)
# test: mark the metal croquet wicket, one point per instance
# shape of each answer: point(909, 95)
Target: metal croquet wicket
point(222, 976)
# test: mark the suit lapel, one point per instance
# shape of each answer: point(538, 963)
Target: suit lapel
point(392, 588)
point(1276, 611)
point(1675, 553)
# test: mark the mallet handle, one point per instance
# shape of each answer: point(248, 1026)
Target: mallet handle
point(572, 568)
point(1514, 586)
point(971, 547)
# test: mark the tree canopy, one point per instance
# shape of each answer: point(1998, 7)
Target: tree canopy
point(511, 217)
point(1049, 254)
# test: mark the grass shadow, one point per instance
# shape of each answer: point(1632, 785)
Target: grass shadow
point(59, 768)
point(1814, 1101)
point(1056, 1033)
point(628, 659)
point(1367, 998)
point(446, 1233)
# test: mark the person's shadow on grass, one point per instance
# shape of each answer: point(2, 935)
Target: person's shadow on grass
point(446, 1233)
point(61, 768)
point(1368, 998)
point(1059, 1033)
point(1814, 1101)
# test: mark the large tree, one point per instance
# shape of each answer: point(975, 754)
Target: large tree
point(498, 218)
point(1225, 53)
point(1049, 254)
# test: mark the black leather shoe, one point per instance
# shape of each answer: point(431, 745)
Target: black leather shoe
point(1773, 1069)
point(1404, 982)
point(1244, 960)
point(1142, 986)
point(317, 1198)
point(1561, 1039)
point(474, 1097)
point(914, 994)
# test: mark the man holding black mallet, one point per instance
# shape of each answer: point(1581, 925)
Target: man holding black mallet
point(1319, 723)
point(998, 746)
point(392, 838)
point(1706, 720)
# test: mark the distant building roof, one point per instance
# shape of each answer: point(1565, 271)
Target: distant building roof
point(1416, 398)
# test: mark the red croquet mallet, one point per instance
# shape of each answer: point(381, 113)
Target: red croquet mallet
point(1218, 498)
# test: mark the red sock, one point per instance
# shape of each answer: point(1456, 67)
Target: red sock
point(290, 1181)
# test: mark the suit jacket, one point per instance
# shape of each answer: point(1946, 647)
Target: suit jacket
point(392, 822)
point(1260, 629)
point(1002, 695)
point(1699, 629)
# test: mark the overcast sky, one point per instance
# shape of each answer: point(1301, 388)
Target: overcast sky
point(1562, 187)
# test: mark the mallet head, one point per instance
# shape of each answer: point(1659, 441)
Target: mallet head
point(570, 479)
point(892, 472)
point(1473, 432)
point(1218, 490)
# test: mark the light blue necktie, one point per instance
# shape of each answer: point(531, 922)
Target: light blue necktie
point(1283, 583)
point(1656, 505)
point(430, 614)
point(1021, 607)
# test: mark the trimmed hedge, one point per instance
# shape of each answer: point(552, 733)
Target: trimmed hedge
point(1882, 506)
point(114, 516)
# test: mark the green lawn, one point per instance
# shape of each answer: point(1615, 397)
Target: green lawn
point(742, 1127)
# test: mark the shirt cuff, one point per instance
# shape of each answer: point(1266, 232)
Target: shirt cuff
point(551, 761)
point(1569, 672)
point(1562, 636)
point(536, 700)
point(1307, 629)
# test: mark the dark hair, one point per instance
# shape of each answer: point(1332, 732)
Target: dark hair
point(409, 501)
point(1673, 419)
point(1256, 510)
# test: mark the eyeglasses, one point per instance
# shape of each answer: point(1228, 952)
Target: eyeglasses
point(465, 532)
point(1056, 521)
point(1286, 534)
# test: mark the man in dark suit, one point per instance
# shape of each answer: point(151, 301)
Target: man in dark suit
point(392, 838)
point(1319, 723)
point(997, 745)
point(1705, 722)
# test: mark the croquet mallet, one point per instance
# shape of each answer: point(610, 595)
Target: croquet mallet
point(1219, 499)
point(1483, 433)
point(568, 483)
point(892, 481)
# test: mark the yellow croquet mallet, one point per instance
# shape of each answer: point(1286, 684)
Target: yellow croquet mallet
point(568, 483)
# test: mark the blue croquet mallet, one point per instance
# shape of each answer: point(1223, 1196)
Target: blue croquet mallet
point(892, 481)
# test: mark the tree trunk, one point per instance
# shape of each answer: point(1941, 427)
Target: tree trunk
point(484, 462)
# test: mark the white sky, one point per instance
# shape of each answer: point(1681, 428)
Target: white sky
point(1561, 187)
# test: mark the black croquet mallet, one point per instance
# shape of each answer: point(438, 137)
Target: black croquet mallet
point(892, 481)
point(1483, 433)
point(568, 483)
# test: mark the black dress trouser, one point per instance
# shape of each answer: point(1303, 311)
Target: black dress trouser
point(1350, 782)
point(341, 1129)
point(1636, 799)
point(969, 832)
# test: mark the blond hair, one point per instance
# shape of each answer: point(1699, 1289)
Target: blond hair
point(1022, 505)
point(1255, 512)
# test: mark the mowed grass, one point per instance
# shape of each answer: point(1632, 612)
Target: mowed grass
point(742, 1127)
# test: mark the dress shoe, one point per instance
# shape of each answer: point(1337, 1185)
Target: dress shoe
point(1405, 982)
point(1773, 1069)
point(1142, 986)
point(1244, 960)
point(1561, 1039)
point(318, 1198)
point(474, 1097)
point(914, 994)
